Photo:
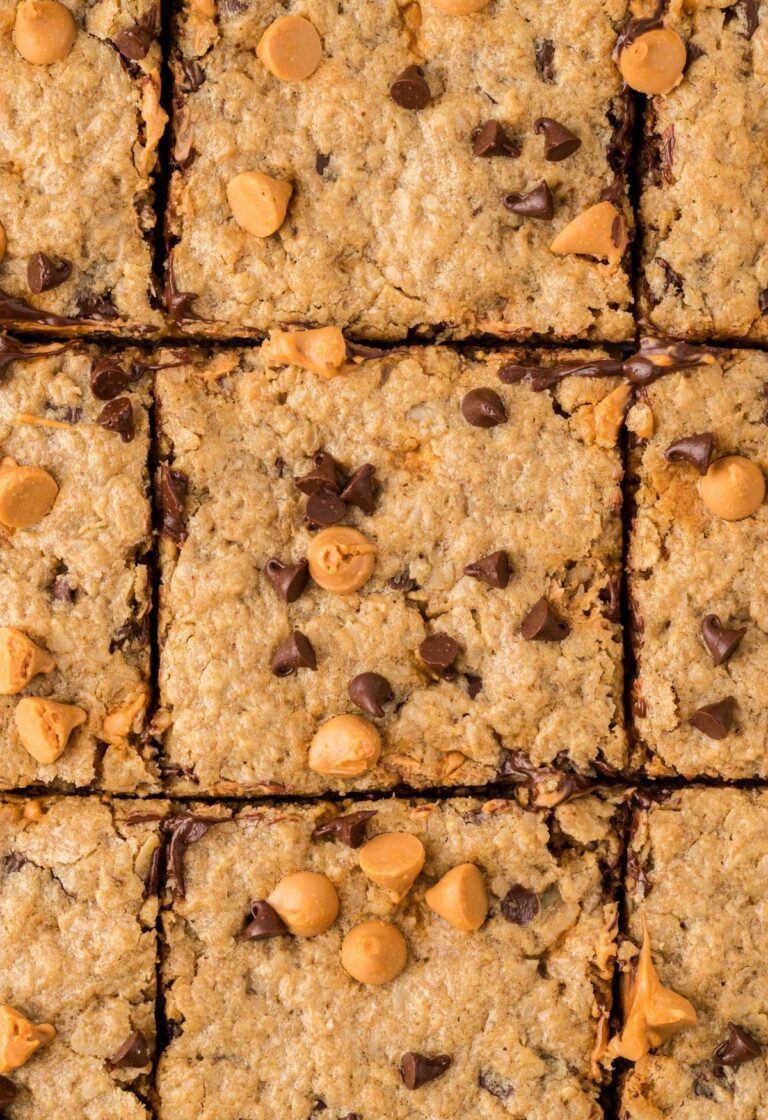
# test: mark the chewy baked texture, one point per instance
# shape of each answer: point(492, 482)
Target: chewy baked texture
point(77, 581)
point(704, 262)
point(395, 225)
point(78, 140)
point(697, 875)
point(79, 952)
point(544, 487)
point(277, 1027)
point(686, 564)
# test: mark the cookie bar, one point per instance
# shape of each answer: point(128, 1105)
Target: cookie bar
point(400, 168)
point(77, 959)
point(447, 960)
point(704, 262)
point(696, 550)
point(75, 534)
point(407, 572)
point(697, 885)
point(80, 121)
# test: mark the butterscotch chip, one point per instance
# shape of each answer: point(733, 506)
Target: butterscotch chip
point(120, 722)
point(654, 62)
point(258, 202)
point(290, 48)
point(19, 1038)
point(44, 726)
point(599, 232)
point(27, 494)
point(322, 350)
point(20, 660)
point(307, 902)
point(374, 952)
point(609, 415)
point(733, 488)
point(392, 860)
point(3, 242)
point(460, 7)
point(460, 897)
point(44, 31)
point(344, 747)
point(341, 559)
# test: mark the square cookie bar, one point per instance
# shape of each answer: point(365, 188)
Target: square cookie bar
point(704, 259)
point(80, 120)
point(697, 887)
point(409, 570)
point(75, 534)
point(391, 1010)
point(698, 597)
point(391, 167)
point(77, 959)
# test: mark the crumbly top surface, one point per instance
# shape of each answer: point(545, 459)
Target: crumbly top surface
point(685, 563)
point(701, 860)
point(405, 229)
point(78, 951)
point(537, 486)
point(278, 1027)
point(76, 583)
point(704, 251)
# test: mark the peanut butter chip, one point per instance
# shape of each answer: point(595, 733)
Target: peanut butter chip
point(344, 747)
point(599, 232)
point(258, 202)
point(733, 488)
point(307, 902)
point(20, 661)
point(653, 1013)
point(322, 350)
point(392, 860)
point(460, 897)
point(460, 7)
point(374, 952)
point(26, 494)
point(44, 726)
point(654, 62)
point(290, 48)
point(44, 31)
point(19, 1038)
point(341, 559)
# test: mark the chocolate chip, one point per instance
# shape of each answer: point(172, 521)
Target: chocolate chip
point(296, 652)
point(439, 652)
point(519, 905)
point(183, 831)
point(194, 75)
point(474, 685)
point(14, 862)
point(90, 305)
point(349, 830)
point(497, 1086)
point(7, 1091)
point(265, 923)
point(179, 304)
point(324, 508)
point(133, 1054)
point(658, 357)
point(418, 1069)
point(108, 379)
point(173, 491)
point(610, 595)
point(739, 1047)
point(668, 155)
point(544, 52)
point(403, 582)
point(45, 273)
point(409, 89)
point(559, 141)
point(325, 475)
point(117, 416)
point(721, 642)
point(135, 631)
point(492, 569)
point(672, 279)
point(134, 42)
point(537, 203)
point(321, 162)
point(359, 491)
point(61, 590)
point(483, 408)
point(715, 719)
point(696, 450)
point(289, 580)
point(492, 140)
point(13, 309)
point(541, 624)
point(370, 691)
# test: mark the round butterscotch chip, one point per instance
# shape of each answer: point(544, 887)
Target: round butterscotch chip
point(258, 202)
point(20, 660)
point(27, 494)
point(374, 952)
point(598, 232)
point(344, 747)
point(460, 897)
point(19, 1038)
point(44, 31)
point(654, 62)
point(290, 48)
point(341, 559)
point(44, 726)
point(392, 860)
point(307, 902)
point(460, 7)
point(733, 488)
